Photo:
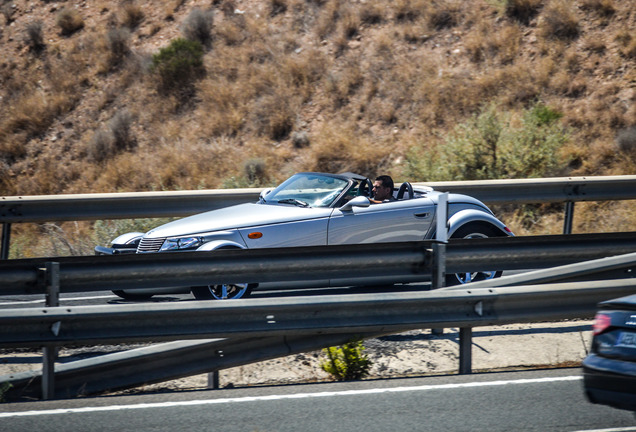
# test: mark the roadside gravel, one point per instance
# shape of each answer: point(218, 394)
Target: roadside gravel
point(419, 353)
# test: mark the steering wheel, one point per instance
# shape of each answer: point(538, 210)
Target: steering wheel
point(406, 186)
point(365, 188)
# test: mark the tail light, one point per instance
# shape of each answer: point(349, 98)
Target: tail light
point(601, 323)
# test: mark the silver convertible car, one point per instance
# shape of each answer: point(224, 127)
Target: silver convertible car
point(312, 209)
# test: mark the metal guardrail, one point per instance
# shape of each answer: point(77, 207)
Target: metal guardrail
point(357, 313)
point(558, 189)
point(43, 208)
point(407, 259)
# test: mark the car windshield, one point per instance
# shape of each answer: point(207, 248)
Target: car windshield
point(307, 190)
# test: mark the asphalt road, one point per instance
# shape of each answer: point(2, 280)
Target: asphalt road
point(549, 400)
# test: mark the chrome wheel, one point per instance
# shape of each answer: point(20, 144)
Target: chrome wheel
point(222, 291)
point(472, 231)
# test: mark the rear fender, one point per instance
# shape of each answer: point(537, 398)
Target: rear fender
point(464, 217)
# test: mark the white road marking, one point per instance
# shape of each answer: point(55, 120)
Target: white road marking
point(284, 397)
point(622, 429)
point(62, 299)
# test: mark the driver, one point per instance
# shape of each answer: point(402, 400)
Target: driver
point(382, 190)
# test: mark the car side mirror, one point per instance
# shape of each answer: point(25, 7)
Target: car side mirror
point(358, 201)
point(263, 194)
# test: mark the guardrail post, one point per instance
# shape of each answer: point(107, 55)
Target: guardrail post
point(439, 247)
point(465, 350)
point(6, 239)
point(438, 277)
point(213, 380)
point(569, 216)
point(49, 354)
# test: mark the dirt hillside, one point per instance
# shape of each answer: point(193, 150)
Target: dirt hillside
point(104, 96)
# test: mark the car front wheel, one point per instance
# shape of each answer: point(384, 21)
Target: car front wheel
point(222, 291)
point(474, 230)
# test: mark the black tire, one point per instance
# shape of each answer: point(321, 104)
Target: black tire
point(474, 230)
point(129, 296)
point(223, 291)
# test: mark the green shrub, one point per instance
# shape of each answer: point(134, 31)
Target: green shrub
point(347, 362)
point(178, 64)
point(491, 145)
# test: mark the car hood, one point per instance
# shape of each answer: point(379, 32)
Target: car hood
point(238, 216)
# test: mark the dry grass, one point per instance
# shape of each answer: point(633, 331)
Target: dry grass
point(34, 37)
point(198, 26)
point(559, 20)
point(522, 10)
point(627, 43)
point(131, 14)
point(501, 46)
point(605, 8)
point(69, 21)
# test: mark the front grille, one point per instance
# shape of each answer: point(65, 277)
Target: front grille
point(150, 244)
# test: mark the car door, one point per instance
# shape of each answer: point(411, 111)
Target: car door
point(407, 220)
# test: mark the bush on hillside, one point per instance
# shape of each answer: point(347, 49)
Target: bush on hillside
point(198, 26)
point(118, 42)
point(69, 21)
point(626, 141)
point(559, 21)
point(131, 15)
point(491, 145)
point(119, 126)
point(277, 7)
point(101, 147)
point(522, 10)
point(34, 37)
point(118, 137)
point(178, 64)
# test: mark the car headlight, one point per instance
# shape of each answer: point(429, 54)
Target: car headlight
point(181, 243)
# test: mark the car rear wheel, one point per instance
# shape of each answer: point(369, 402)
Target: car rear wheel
point(474, 230)
point(222, 291)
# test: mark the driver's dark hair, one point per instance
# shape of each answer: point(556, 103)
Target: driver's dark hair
point(386, 180)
